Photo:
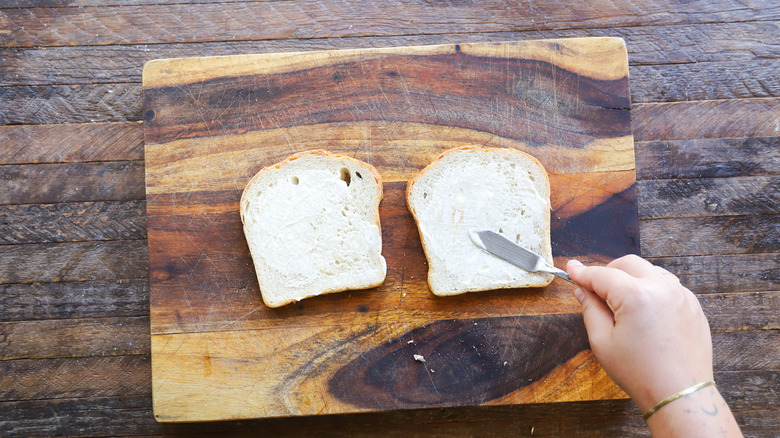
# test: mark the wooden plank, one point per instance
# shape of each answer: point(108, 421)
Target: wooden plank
point(710, 235)
point(71, 182)
point(730, 351)
point(81, 261)
point(757, 311)
point(115, 336)
point(125, 415)
point(705, 197)
point(274, 20)
point(706, 119)
point(132, 416)
point(32, 379)
point(752, 425)
point(101, 376)
point(704, 81)
point(725, 273)
point(43, 105)
point(708, 158)
point(72, 143)
point(648, 46)
point(89, 299)
point(72, 222)
point(750, 394)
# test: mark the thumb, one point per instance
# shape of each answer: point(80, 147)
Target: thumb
point(599, 320)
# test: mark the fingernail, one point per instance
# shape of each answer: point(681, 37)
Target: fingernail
point(575, 262)
point(579, 294)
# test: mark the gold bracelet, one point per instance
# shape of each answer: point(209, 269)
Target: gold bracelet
point(674, 397)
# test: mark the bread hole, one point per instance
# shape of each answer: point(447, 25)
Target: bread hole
point(346, 176)
point(294, 180)
point(531, 177)
point(425, 195)
point(359, 175)
point(517, 238)
point(500, 230)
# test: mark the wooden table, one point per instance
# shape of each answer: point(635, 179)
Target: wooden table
point(74, 293)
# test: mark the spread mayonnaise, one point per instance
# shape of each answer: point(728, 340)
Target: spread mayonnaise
point(499, 196)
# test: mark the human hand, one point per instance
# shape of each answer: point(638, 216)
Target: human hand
point(646, 329)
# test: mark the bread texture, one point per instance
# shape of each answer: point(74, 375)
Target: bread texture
point(474, 188)
point(312, 226)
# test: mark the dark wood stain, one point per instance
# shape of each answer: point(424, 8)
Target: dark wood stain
point(610, 229)
point(467, 361)
point(434, 89)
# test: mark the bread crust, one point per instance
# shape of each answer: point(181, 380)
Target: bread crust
point(321, 152)
point(431, 165)
point(545, 279)
point(267, 172)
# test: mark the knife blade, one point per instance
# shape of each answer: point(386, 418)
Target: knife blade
point(503, 248)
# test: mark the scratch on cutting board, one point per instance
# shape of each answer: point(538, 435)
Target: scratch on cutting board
point(207, 363)
point(406, 89)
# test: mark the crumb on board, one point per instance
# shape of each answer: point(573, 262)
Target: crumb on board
point(419, 358)
point(411, 341)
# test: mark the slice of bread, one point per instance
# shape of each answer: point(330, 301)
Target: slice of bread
point(312, 226)
point(473, 188)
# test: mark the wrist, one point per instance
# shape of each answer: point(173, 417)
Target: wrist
point(678, 395)
point(703, 413)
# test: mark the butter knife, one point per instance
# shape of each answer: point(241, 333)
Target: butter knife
point(505, 249)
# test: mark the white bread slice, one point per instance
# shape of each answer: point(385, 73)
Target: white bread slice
point(473, 188)
point(312, 226)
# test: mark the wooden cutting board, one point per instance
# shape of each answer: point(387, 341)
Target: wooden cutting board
point(211, 123)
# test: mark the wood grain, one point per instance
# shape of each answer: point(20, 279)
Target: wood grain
point(72, 222)
point(71, 182)
point(703, 197)
point(31, 379)
point(72, 143)
point(77, 261)
point(708, 119)
point(729, 358)
point(711, 235)
point(41, 105)
point(708, 158)
point(710, 52)
point(93, 299)
point(282, 19)
point(724, 272)
point(132, 415)
point(652, 47)
point(211, 123)
point(66, 338)
point(759, 309)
